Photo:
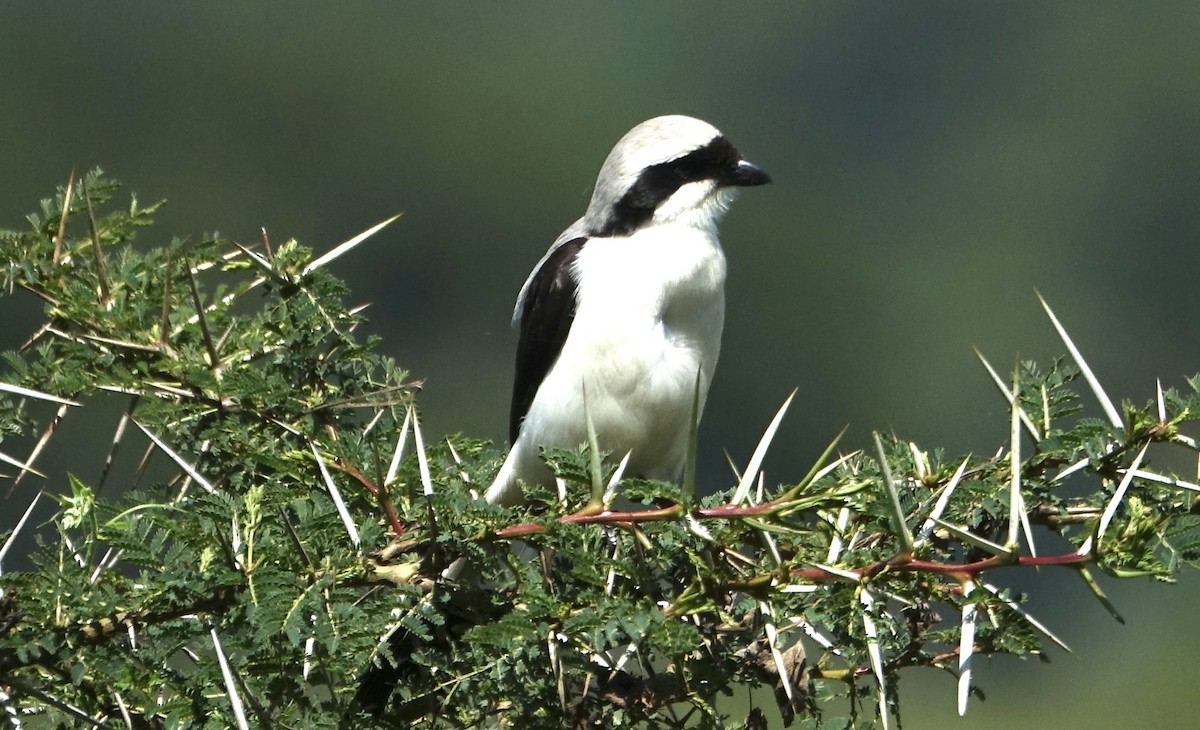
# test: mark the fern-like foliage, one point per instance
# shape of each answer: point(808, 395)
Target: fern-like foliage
point(279, 557)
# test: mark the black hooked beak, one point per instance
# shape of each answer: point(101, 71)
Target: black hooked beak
point(747, 174)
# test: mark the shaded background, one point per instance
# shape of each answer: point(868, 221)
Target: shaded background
point(934, 164)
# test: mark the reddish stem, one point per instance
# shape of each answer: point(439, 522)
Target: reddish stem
point(729, 511)
point(964, 570)
point(384, 500)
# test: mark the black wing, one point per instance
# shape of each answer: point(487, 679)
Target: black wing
point(546, 316)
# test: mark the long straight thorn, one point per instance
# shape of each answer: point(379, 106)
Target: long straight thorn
point(62, 219)
point(345, 246)
point(760, 453)
point(889, 486)
point(214, 360)
point(1118, 495)
point(164, 323)
point(1105, 402)
point(101, 269)
point(597, 475)
point(966, 649)
point(1008, 395)
point(1016, 505)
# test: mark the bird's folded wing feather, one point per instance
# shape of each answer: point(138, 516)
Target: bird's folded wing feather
point(546, 309)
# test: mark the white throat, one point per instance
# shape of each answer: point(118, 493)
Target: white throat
point(699, 205)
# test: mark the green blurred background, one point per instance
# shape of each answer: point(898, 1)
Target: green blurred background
point(934, 164)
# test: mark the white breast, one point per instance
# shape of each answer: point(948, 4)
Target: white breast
point(650, 312)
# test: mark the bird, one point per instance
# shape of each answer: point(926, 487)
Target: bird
point(626, 308)
point(628, 304)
